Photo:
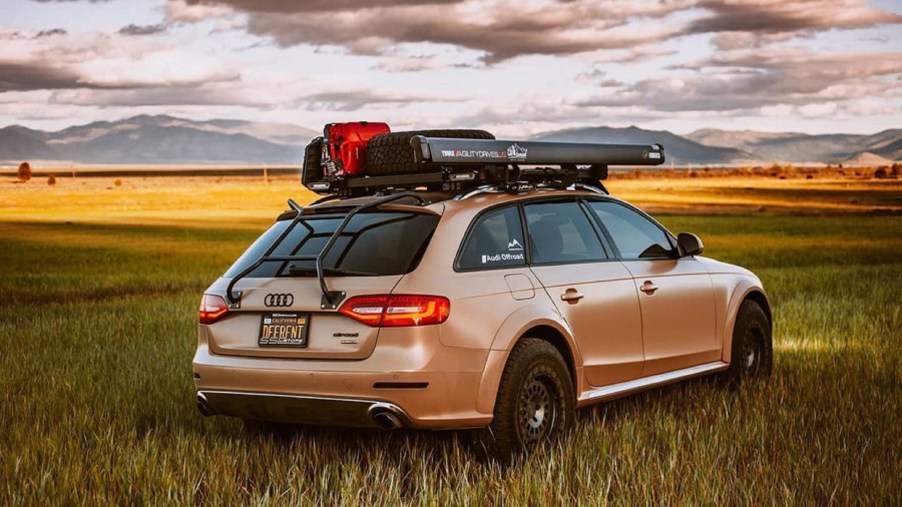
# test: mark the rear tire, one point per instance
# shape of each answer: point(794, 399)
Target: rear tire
point(535, 401)
point(753, 353)
point(392, 154)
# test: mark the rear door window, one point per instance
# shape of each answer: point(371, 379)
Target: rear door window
point(373, 244)
point(495, 240)
point(560, 232)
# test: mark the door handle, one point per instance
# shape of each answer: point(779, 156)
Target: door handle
point(648, 287)
point(572, 296)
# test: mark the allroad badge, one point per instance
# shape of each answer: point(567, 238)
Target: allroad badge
point(278, 300)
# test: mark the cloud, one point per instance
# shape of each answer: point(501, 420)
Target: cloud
point(418, 63)
point(781, 16)
point(730, 41)
point(104, 61)
point(292, 6)
point(618, 61)
point(501, 30)
point(755, 79)
point(78, 88)
point(22, 76)
point(179, 95)
point(507, 28)
point(142, 29)
point(179, 11)
point(50, 33)
point(353, 100)
point(237, 94)
point(882, 39)
point(633, 54)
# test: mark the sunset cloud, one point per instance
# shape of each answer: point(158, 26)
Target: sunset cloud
point(501, 29)
point(519, 66)
point(757, 79)
point(781, 16)
point(18, 76)
point(142, 29)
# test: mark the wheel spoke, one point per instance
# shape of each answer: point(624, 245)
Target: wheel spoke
point(536, 409)
point(752, 351)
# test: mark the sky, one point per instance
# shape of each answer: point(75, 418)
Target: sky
point(517, 67)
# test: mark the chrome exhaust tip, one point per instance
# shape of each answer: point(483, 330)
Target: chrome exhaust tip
point(387, 421)
point(202, 406)
point(384, 416)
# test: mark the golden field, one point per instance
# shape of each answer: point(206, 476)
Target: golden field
point(98, 312)
point(202, 198)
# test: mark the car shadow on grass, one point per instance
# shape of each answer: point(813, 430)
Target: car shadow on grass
point(679, 401)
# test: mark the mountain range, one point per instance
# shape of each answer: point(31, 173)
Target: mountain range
point(159, 140)
point(169, 140)
point(795, 147)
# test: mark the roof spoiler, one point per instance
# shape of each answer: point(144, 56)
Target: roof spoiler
point(479, 151)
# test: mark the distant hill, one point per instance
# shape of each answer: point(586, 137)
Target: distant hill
point(866, 158)
point(169, 140)
point(21, 143)
point(795, 147)
point(159, 140)
point(678, 150)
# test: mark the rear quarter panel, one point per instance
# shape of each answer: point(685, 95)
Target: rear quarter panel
point(480, 300)
point(484, 313)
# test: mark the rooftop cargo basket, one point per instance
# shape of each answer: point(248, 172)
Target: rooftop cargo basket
point(447, 164)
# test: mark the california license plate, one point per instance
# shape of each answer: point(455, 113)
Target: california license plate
point(284, 330)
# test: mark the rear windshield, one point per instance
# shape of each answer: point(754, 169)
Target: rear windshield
point(373, 244)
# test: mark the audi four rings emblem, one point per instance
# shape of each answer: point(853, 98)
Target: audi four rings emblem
point(281, 300)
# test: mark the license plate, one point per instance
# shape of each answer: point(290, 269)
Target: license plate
point(284, 330)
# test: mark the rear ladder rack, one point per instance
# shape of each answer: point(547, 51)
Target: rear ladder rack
point(330, 299)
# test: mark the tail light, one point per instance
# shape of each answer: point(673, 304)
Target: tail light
point(397, 310)
point(212, 308)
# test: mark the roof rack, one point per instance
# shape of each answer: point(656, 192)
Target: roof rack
point(330, 299)
point(581, 166)
point(467, 164)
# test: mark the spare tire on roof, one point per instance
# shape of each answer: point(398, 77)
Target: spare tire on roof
point(392, 154)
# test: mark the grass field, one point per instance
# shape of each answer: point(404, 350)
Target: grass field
point(98, 300)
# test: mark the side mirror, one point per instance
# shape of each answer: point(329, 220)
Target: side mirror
point(689, 244)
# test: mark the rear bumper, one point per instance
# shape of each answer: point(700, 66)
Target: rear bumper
point(425, 386)
point(302, 409)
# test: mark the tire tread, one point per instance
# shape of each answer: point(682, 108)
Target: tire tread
point(750, 313)
point(392, 154)
point(500, 439)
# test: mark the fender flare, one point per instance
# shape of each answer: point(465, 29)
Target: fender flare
point(512, 329)
point(742, 291)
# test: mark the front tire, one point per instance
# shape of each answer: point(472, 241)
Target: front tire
point(753, 353)
point(535, 400)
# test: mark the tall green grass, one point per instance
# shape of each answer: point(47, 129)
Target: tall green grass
point(97, 329)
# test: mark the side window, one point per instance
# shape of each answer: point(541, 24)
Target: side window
point(561, 232)
point(636, 236)
point(496, 239)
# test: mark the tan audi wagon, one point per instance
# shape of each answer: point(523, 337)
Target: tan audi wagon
point(501, 308)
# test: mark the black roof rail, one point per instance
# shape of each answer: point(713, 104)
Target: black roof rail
point(330, 299)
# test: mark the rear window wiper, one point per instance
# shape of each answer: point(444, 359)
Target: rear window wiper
point(307, 270)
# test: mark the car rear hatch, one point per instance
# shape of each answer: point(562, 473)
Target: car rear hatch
point(282, 312)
